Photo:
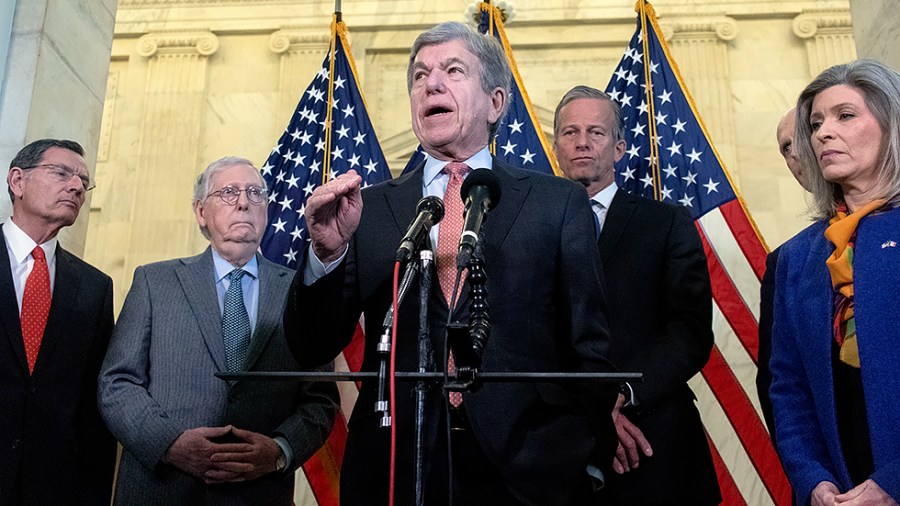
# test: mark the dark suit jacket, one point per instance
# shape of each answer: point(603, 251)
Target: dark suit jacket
point(660, 314)
point(158, 380)
point(763, 374)
point(54, 448)
point(546, 309)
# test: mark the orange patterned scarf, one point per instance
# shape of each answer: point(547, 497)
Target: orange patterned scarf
point(841, 232)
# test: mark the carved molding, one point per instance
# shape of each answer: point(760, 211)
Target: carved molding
point(724, 28)
point(284, 39)
point(106, 126)
point(204, 43)
point(807, 25)
point(180, 3)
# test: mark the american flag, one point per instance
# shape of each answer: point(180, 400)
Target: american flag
point(329, 134)
point(669, 157)
point(520, 141)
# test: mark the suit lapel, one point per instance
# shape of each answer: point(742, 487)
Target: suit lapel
point(403, 200)
point(197, 278)
point(515, 185)
point(402, 203)
point(617, 217)
point(9, 308)
point(62, 307)
point(273, 285)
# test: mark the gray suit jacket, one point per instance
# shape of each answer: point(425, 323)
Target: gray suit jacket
point(158, 380)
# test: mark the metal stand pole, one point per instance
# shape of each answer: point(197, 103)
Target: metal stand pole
point(426, 363)
point(384, 347)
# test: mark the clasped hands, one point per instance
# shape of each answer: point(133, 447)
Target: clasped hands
point(223, 454)
point(867, 493)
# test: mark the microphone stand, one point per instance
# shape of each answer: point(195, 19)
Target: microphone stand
point(384, 347)
point(468, 341)
point(426, 363)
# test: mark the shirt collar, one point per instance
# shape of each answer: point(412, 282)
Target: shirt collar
point(224, 268)
point(21, 244)
point(605, 196)
point(433, 166)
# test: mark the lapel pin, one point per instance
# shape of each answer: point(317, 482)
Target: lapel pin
point(889, 244)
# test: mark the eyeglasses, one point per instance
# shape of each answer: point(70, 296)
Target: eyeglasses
point(65, 174)
point(230, 194)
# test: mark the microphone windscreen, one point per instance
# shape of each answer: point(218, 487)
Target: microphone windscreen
point(433, 205)
point(485, 178)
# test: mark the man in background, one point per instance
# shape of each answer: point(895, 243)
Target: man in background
point(189, 437)
point(56, 319)
point(784, 134)
point(660, 314)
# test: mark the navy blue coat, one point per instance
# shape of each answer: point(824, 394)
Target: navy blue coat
point(802, 389)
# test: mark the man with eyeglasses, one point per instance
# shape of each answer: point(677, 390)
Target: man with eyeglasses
point(189, 437)
point(56, 319)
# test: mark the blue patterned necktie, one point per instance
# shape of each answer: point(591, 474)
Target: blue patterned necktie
point(235, 323)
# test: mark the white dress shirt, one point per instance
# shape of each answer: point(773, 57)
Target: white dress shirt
point(603, 199)
point(19, 247)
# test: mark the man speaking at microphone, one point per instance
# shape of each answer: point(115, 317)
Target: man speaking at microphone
point(512, 443)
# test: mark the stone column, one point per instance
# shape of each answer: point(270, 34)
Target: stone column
point(700, 46)
point(302, 53)
point(172, 120)
point(55, 81)
point(829, 38)
point(876, 27)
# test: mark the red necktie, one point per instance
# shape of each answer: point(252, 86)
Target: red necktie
point(448, 244)
point(451, 228)
point(35, 306)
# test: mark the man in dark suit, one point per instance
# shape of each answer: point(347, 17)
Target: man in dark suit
point(512, 443)
point(189, 437)
point(784, 134)
point(660, 314)
point(56, 319)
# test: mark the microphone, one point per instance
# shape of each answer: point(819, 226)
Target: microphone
point(430, 211)
point(481, 192)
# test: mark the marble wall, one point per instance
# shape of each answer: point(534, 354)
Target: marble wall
point(54, 83)
point(876, 27)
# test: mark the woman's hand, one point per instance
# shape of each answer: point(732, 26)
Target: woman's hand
point(867, 493)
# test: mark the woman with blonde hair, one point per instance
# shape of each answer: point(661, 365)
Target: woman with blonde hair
point(836, 336)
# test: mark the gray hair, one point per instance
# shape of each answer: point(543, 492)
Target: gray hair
point(202, 186)
point(880, 87)
point(33, 153)
point(495, 71)
point(582, 91)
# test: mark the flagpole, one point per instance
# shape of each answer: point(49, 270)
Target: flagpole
point(337, 11)
point(642, 8)
point(326, 162)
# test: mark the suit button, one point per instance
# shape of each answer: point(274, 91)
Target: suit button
point(32, 388)
point(15, 444)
